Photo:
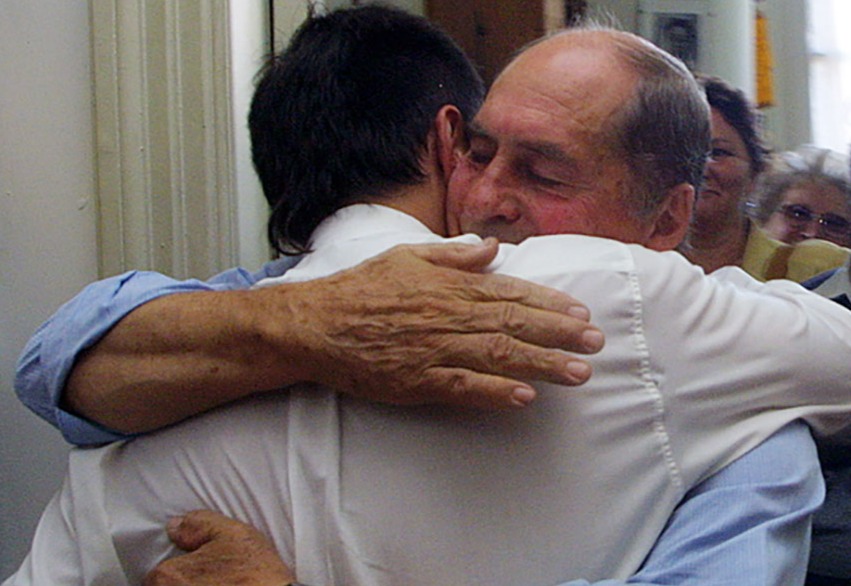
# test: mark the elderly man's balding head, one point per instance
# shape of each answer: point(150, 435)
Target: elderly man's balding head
point(590, 131)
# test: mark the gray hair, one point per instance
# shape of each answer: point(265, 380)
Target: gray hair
point(665, 128)
point(806, 164)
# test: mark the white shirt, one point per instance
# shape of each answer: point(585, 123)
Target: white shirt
point(696, 371)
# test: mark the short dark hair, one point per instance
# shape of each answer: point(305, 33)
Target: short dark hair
point(741, 114)
point(344, 112)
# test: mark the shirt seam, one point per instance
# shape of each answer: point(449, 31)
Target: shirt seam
point(650, 385)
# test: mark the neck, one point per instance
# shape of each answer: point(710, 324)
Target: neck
point(423, 201)
point(714, 248)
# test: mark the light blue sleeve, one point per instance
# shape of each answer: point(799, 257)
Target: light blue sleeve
point(749, 524)
point(49, 356)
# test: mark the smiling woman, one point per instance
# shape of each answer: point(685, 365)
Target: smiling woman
point(803, 197)
point(719, 230)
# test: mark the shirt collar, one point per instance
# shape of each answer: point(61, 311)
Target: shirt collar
point(362, 220)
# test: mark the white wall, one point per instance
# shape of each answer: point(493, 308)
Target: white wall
point(788, 123)
point(47, 230)
point(727, 32)
point(249, 42)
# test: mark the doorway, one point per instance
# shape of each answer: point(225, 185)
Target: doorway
point(492, 32)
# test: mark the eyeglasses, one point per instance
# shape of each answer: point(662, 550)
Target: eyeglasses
point(833, 225)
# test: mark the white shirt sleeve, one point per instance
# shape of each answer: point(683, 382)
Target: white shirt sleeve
point(736, 358)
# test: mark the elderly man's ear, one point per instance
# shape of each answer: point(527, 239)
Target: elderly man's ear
point(672, 220)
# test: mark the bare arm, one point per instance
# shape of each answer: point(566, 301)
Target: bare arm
point(407, 327)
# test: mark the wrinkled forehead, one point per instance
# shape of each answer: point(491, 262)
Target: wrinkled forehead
point(576, 62)
point(571, 71)
point(561, 88)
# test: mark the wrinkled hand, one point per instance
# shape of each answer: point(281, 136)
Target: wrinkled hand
point(420, 324)
point(222, 551)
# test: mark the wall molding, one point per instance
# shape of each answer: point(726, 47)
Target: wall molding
point(164, 136)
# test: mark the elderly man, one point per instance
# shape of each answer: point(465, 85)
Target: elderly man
point(594, 484)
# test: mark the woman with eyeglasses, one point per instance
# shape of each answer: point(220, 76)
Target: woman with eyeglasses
point(806, 195)
point(802, 207)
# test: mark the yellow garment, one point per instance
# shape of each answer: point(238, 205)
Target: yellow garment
point(766, 258)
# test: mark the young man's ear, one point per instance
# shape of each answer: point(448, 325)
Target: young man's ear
point(672, 221)
point(449, 135)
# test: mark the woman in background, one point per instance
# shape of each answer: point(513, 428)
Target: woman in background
point(802, 206)
point(719, 230)
point(757, 218)
point(805, 195)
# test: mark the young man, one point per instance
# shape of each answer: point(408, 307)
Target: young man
point(594, 484)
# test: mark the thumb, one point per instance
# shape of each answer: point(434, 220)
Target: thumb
point(194, 529)
point(466, 257)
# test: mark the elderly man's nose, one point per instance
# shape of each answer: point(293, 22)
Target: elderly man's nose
point(495, 200)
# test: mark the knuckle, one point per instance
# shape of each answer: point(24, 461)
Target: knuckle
point(508, 318)
point(471, 389)
point(501, 349)
point(441, 384)
point(458, 384)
